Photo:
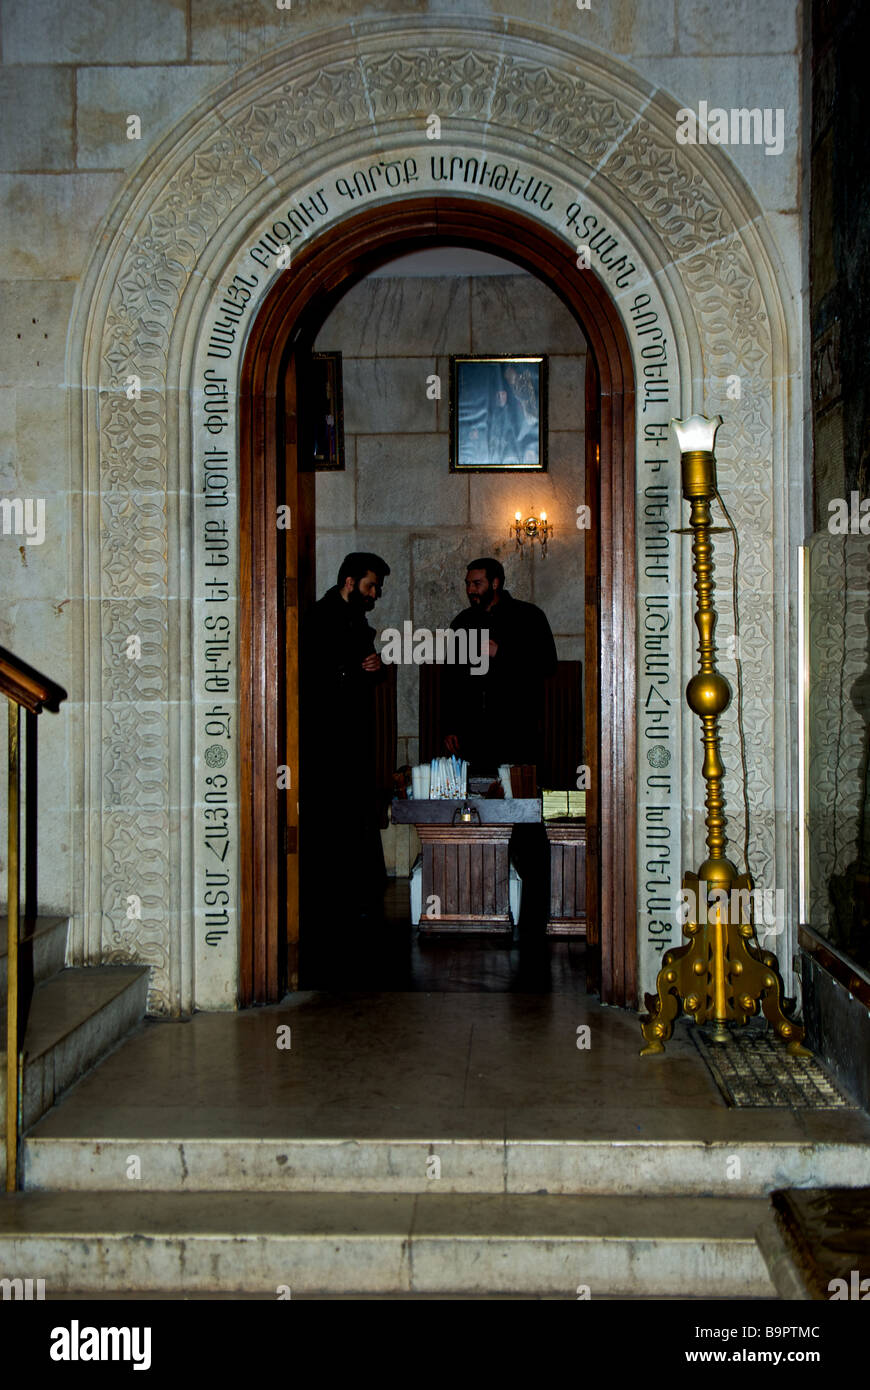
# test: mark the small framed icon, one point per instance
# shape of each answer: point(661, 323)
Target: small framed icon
point(498, 414)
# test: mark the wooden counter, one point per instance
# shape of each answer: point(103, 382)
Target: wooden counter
point(567, 877)
point(511, 811)
point(466, 868)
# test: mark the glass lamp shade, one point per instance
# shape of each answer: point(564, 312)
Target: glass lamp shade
point(696, 434)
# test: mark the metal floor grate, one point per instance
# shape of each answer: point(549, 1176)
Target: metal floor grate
point(753, 1068)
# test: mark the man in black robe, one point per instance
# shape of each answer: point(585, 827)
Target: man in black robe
point(498, 717)
point(341, 840)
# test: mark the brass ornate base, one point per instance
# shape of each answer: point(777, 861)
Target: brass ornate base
point(720, 976)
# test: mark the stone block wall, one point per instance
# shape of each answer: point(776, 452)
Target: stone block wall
point(397, 496)
point(839, 248)
point(71, 76)
point(839, 589)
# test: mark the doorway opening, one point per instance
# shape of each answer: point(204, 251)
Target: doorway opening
point(280, 580)
point(378, 420)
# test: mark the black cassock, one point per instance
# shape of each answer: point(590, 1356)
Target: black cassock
point(342, 853)
point(499, 717)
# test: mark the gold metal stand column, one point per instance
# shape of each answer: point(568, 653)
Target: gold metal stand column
point(13, 1062)
point(721, 974)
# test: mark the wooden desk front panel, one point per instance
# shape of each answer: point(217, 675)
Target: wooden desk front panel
point(567, 879)
point(468, 869)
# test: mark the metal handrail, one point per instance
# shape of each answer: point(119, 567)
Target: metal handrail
point(22, 686)
point(14, 1054)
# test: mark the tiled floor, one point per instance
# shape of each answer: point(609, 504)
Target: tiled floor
point(468, 1065)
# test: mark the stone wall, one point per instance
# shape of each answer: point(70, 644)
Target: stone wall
point(396, 495)
point(839, 254)
point(71, 78)
point(838, 770)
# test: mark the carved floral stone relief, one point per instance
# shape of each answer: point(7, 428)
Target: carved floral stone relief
point(266, 136)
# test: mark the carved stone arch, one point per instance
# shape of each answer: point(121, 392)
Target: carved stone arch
point(594, 131)
point(325, 269)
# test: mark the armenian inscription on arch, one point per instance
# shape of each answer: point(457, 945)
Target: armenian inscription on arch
point(301, 216)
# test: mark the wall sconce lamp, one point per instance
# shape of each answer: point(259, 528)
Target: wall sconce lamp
point(532, 529)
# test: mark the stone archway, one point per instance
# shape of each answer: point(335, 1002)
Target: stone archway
point(584, 147)
point(324, 270)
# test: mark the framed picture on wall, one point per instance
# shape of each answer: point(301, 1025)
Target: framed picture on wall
point(498, 414)
point(324, 407)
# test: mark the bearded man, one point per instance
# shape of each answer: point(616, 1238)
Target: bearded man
point(498, 717)
point(340, 669)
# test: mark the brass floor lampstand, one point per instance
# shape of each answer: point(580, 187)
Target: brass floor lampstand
point(722, 974)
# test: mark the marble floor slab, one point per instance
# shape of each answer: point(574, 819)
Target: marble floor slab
point(394, 1065)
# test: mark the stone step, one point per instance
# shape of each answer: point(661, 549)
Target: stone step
point(54, 1160)
point(374, 1243)
point(46, 939)
point(75, 1019)
point(356, 1296)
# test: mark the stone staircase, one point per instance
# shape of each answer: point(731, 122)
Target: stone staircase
point(76, 1017)
point(387, 1244)
point(629, 1219)
point(208, 1178)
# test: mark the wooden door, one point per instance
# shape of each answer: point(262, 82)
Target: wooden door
point(296, 540)
point(592, 676)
